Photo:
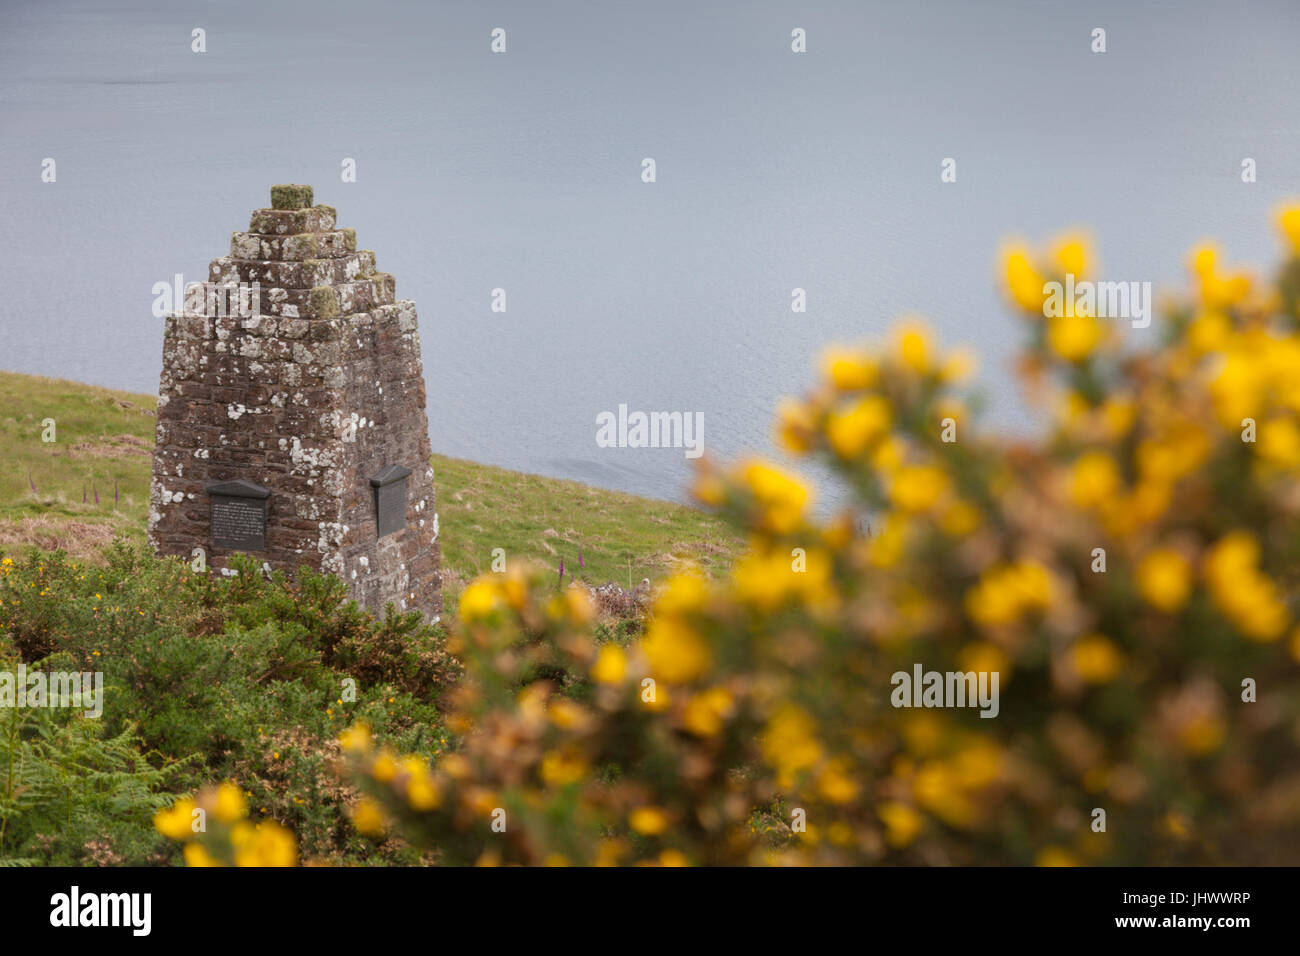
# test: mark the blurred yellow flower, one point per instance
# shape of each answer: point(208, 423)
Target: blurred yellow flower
point(384, 769)
point(478, 601)
point(960, 519)
point(1288, 219)
point(610, 666)
point(356, 739)
point(1095, 658)
point(675, 652)
point(263, 844)
point(852, 431)
point(1056, 856)
point(1071, 255)
point(1279, 442)
point(1095, 479)
point(1074, 337)
point(559, 768)
point(707, 711)
point(912, 344)
point(902, 823)
point(1202, 734)
point(836, 784)
point(849, 369)
point(1024, 282)
point(1209, 332)
point(1202, 260)
point(1241, 591)
point(368, 817)
point(937, 789)
point(789, 743)
point(1006, 592)
point(229, 805)
point(781, 497)
point(176, 823)
point(1164, 578)
point(196, 855)
point(422, 794)
point(648, 821)
point(918, 488)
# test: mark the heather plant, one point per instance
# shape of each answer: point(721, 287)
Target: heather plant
point(1128, 574)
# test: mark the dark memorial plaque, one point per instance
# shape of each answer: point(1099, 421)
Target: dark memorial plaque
point(238, 515)
point(390, 499)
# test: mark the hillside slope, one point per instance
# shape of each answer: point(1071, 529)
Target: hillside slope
point(103, 447)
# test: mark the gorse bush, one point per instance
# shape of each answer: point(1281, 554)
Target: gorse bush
point(1128, 575)
point(207, 678)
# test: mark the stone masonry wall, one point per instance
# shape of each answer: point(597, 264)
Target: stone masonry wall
point(311, 397)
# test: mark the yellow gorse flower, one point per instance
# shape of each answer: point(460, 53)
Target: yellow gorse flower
point(856, 428)
point(1241, 591)
point(849, 369)
point(1165, 579)
point(176, 823)
point(1024, 283)
point(782, 498)
point(1095, 658)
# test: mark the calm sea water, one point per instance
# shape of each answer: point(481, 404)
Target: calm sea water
point(522, 171)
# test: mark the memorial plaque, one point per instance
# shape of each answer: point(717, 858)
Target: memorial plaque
point(390, 499)
point(238, 515)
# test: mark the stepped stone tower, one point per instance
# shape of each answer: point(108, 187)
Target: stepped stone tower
point(291, 414)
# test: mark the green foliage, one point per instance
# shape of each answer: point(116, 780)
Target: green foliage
point(248, 678)
point(71, 792)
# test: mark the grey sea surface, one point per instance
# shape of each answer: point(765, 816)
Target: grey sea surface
point(522, 171)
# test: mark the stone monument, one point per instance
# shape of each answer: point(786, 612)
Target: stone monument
point(291, 414)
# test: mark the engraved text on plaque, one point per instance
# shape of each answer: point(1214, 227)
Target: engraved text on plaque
point(238, 515)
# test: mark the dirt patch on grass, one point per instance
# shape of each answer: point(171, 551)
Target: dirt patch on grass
point(133, 407)
point(80, 539)
point(113, 446)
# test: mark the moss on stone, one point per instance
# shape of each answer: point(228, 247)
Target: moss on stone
point(291, 196)
point(324, 302)
point(350, 239)
point(302, 246)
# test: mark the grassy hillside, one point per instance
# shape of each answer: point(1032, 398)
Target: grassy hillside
point(106, 438)
point(102, 437)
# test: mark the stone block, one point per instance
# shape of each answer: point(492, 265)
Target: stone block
point(291, 197)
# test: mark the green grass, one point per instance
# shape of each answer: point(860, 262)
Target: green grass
point(102, 436)
point(106, 436)
point(623, 538)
